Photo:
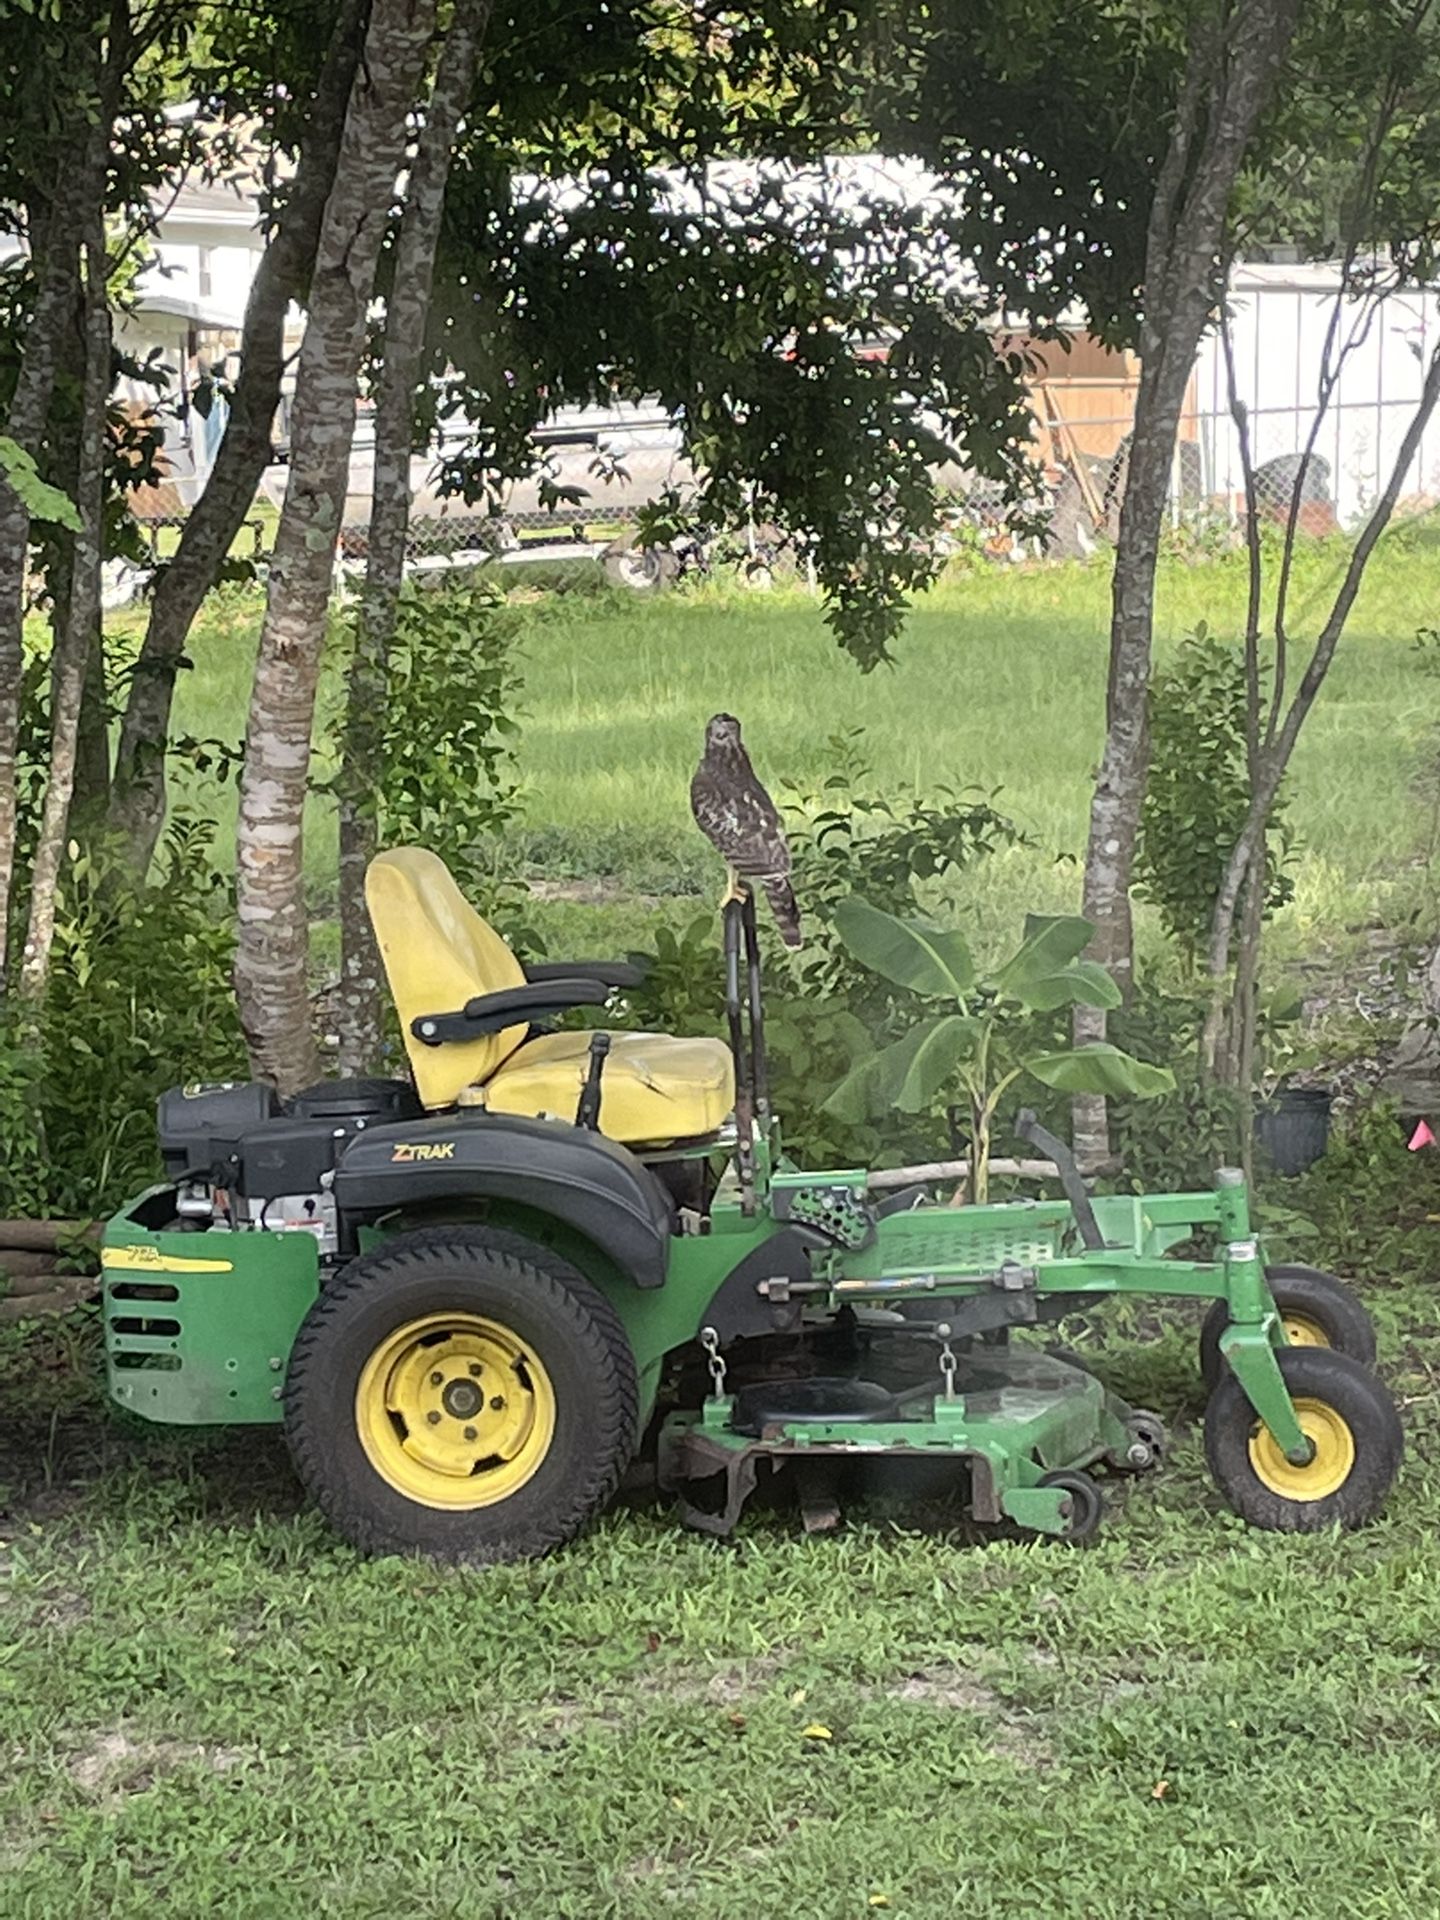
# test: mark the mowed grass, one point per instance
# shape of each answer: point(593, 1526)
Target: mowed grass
point(207, 1703)
point(998, 684)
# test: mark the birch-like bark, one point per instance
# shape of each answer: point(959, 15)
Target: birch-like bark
point(137, 798)
point(74, 643)
point(273, 944)
point(1229, 76)
point(25, 424)
point(360, 1009)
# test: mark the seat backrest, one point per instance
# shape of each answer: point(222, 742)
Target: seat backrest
point(438, 954)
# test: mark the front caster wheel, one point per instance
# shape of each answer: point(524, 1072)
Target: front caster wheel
point(1316, 1309)
point(1354, 1432)
point(1086, 1507)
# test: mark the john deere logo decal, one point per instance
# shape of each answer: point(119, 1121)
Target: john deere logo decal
point(438, 1150)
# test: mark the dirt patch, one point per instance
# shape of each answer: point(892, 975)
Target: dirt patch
point(1014, 1736)
point(116, 1764)
point(947, 1687)
point(60, 1612)
point(728, 1685)
point(732, 1683)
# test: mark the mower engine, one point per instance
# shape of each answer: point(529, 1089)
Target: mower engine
point(243, 1160)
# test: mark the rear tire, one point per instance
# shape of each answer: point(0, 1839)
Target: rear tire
point(1318, 1311)
point(1351, 1421)
point(461, 1394)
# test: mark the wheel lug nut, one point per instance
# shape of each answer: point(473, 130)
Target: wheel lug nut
point(469, 1433)
point(436, 1378)
point(433, 1418)
point(475, 1369)
point(497, 1405)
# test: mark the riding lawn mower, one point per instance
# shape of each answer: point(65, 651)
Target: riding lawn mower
point(471, 1295)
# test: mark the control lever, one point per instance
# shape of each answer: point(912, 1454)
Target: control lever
point(1029, 1129)
point(587, 1113)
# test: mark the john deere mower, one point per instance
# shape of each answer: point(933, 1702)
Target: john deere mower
point(470, 1296)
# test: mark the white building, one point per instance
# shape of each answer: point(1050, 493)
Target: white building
point(1284, 322)
point(189, 303)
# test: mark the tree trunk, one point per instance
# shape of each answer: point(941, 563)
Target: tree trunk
point(137, 801)
point(1228, 78)
point(25, 424)
point(1275, 757)
point(92, 753)
point(273, 945)
point(74, 643)
point(360, 1012)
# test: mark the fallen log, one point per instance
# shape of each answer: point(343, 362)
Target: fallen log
point(24, 1266)
point(39, 1281)
point(61, 1299)
point(934, 1170)
point(45, 1236)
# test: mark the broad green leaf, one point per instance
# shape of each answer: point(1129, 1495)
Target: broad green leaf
point(1050, 946)
point(41, 501)
point(910, 953)
point(1084, 983)
point(1100, 1068)
point(909, 1074)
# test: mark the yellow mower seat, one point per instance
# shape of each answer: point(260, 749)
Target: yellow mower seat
point(653, 1087)
point(439, 953)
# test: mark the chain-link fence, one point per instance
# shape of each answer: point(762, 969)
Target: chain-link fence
point(1289, 337)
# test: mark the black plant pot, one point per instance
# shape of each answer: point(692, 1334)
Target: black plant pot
point(1292, 1128)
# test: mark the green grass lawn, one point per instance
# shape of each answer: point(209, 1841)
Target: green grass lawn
point(208, 1704)
point(999, 683)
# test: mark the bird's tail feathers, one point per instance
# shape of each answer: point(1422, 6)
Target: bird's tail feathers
point(785, 907)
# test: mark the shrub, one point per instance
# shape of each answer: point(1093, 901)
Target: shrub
point(1198, 792)
point(822, 1007)
point(446, 777)
point(139, 998)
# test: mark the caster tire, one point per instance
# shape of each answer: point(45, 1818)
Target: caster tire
point(461, 1394)
point(1087, 1506)
point(1318, 1311)
point(1351, 1422)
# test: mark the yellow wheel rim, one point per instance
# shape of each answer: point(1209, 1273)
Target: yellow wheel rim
point(1302, 1331)
point(1328, 1470)
point(454, 1411)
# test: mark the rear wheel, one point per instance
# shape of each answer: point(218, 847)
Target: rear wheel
point(461, 1394)
point(1316, 1309)
point(1354, 1434)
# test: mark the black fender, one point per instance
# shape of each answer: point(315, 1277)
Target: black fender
point(566, 1172)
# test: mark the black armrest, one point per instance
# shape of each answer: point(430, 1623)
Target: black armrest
point(493, 1012)
point(610, 973)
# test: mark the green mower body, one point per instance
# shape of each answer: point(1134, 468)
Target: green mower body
point(200, 1326)
point(471, 1320)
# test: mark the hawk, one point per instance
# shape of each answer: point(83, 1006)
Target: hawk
point(740, 820)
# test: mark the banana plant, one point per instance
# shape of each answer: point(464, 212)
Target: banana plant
point(976, 1046)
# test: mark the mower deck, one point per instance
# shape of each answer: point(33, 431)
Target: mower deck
point(1013, 1417)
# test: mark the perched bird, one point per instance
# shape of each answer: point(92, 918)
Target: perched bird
point(741, 821)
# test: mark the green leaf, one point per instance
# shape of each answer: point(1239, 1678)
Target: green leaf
point(910, 953)
point(1100, 1068)
point(1051, 944)
point(909, 1074)
point(40, 500)
point(1084, 983)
